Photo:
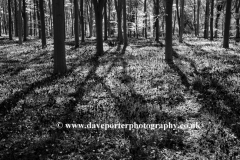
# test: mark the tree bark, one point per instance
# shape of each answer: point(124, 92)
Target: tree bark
point(25, 20)
point(118, 6)
point(157, 20)
point(227, 24)
point(9, 20)
point(76, 23)
point(145, 18)
point(50, 12)
point(82, 22)
point(168, 40)
point(182, 22)
point(125, 23)
point(206, 26)
point(219, 8)
point(59, 45)
point(198, 16)
point(16, 18)
point(44, 43)
point(98, 7)
point(105, 22)
point(237, 19)
point(20, 22)
point(178, 18)
point(211, 20)
point(38, 21)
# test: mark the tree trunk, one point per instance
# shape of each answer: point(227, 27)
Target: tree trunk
point(219, 8)
point(38, 21)
point(82, 22)
point(168, 40)
point(182, 22)
point(16, 18)
point(76, 23)
point(42, 23)
point(198, 16)
point(98, 7)
point(9, 20)
point(20, 22)
point(59, 45)
point(105, 22)
point(118, 6)
point(157, 20)
point(211, 20)
point(237, 19)
point(145, 18)
point(227, 24)
point(25, 21)
point(34, 18)
point(206, 26)
point(50, 12)
point(91, 19)
point(174, 24)
point(125, 23)
point(109, 18)
point(178, 17)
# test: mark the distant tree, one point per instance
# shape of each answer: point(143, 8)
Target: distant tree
point(38, 19)
point(16, 18)
point(156, 17)
point(125, 22)
point(20, 22)
point(211, 20)
point(59, 45)
point(168, 39)
point(76, 23)
point(181, 22)
point(25, 21)
point(82, 21)
point(227, 24)
point(237, 5)
point(105, 22)
point(98, 8)
point(198, 16)
point(44, 43)
point(118, 6)
point(9, 20)
point(145, 18)
point(220, 6)
point(178, 17)
point(206, 24)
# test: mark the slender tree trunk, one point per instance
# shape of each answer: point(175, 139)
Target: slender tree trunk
point(178, 17)
point(198, 16)
point(211, 20)
point(59, 45)
point(168, 40)
point(145, 18)
point(38, 21)
point(219, 8)
point(25, 21)
point(174, 24)
point(91, 19)
point(82, 22)
point(136, 22)
point(237, 19)
point(9, 20)
point(157, 20)
point(206, 26)
point(50, 12)
point(227, 24)
point(118, 6)
point(76, 23)
point(34, 19)
point(125, 23)
point(195, 23)
point(44, 43)
point(20, 22)
point(16, 18)
point(109, 18)
point(182, 22)
point(105, 22)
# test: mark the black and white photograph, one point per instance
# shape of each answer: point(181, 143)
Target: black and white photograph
point(119, 80)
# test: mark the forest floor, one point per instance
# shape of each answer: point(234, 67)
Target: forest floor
point(126, 85)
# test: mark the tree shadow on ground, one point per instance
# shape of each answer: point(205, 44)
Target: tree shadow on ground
point(215, 95)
